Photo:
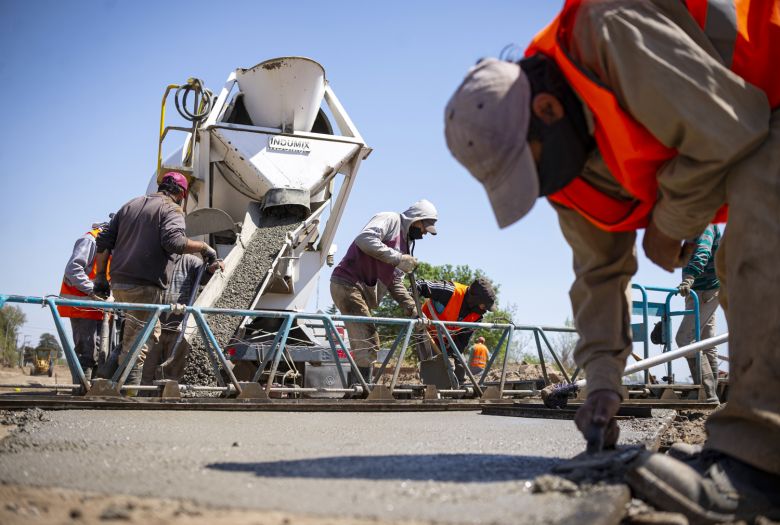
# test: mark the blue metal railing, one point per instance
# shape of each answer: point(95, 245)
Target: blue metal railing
point(273, 357)
point(663, 310)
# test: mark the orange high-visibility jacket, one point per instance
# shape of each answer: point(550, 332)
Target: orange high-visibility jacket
point(71, 292)
point(451, 311)
point(632, 154)
point(479, 356)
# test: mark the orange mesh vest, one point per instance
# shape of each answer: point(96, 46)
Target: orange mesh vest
point(479, 356)
point(632, 154)
point(450, 312)
point(71, 292)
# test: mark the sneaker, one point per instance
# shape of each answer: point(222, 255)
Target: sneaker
point(712, 488)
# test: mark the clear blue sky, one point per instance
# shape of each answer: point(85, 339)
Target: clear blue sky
point(82, 84)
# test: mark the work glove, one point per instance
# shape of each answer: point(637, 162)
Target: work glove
point(684, 288)
point(597, 414)
point(208, 253)
point(422, 322)
point(219, 264)
point(100, 286)
point(407, 264)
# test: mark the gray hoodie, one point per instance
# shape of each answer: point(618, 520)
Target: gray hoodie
point(371, 259)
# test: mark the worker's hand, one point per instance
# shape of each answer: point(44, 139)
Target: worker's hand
point(218, 264)
point(209, 254)
point(666, 252)
point(684, 288)
point(93, 297)
point(422, 322)
point(101, 288)
point(598, 412)
point(407, 264)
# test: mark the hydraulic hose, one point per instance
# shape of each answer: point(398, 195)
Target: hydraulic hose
point(200, 110)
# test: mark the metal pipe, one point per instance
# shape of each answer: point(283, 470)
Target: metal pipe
point(400, 360)
point(685, 351)
point(39, 385)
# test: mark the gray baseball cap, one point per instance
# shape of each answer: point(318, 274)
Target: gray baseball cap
point(485, 124)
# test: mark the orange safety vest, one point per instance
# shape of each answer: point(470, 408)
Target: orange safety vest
point(450, 312)
point(479, 356)
point(71, 292)
point(632, 154)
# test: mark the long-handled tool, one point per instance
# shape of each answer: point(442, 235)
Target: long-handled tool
point(418, 306)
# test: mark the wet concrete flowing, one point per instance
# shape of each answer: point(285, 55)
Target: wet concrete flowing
point(238, 293)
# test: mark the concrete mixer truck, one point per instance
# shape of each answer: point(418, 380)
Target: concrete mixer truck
point(271, 161)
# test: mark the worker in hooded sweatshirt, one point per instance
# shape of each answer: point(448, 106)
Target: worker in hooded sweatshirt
point(77, 284)
point(144, 238)
point(374, 264)
point(631, 114)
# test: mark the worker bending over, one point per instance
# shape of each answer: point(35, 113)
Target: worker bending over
point(375, 263)
point(144, 238)
point(453, 301)
point(631, 114)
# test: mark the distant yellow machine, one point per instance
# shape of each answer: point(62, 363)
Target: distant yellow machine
point(43, 362)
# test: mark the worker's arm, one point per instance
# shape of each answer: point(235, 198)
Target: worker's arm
point(401, 295)
point(440, 292)
point(82, 257)
point(371, 239)
point(174, 239)
point(603, 263)
point(666, 74)
point(702, 253)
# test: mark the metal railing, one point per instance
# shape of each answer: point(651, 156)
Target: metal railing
point(338, 348)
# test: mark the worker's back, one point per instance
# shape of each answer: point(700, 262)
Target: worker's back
point(479, 356)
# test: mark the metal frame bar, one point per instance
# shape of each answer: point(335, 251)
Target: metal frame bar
point(273, 357)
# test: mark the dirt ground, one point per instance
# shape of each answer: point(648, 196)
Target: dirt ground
point(32, 506)
point(16, 375)
point(688, 427)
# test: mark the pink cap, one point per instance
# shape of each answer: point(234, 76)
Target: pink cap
point(179, 179)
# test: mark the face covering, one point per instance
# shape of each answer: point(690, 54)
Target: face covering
point(566, 143)
point(564, 152)
point(415, 233)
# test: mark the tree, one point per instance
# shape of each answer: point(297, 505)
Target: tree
point(49, 342)
point(564, 344)
point(11, 320)
point(460, 273)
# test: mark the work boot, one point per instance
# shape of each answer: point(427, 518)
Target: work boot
point(712, 488)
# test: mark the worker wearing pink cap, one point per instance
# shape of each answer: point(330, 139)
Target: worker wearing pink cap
point(144, 239)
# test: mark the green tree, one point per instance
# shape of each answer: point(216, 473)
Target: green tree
point(11, 320)
point(460, 273)
point(50, 342)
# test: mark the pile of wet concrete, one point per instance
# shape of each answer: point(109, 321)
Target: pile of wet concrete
point(238, 293)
